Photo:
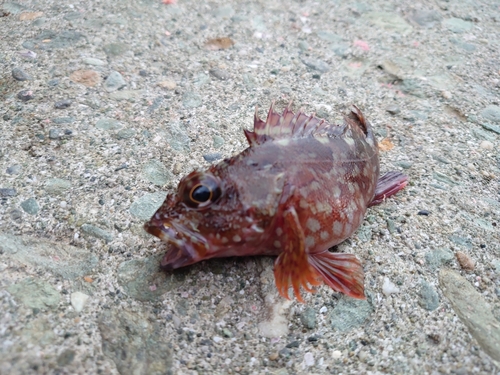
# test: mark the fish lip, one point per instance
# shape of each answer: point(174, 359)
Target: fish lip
point(186, 246)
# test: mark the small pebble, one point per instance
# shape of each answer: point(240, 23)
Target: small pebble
point(15, 169)
point(30, 206)
point(486, 145)
point(466, 262)
point(389, 287)
point(212, 157)
point(78, 300)
point(55, 133)
point(177, 168)
point(217, 339)
point(274, 356)
point(61, 104)
point(167, 84)
point(7, 192)
point(309, 359)
point(20, 75)
point(177, 321)
point(336, 354)
point(423, 213)
point(293, 344)
point(393, 109)
point(25, 95)
point(446, 94)
point(219, 74)
point(115, 81)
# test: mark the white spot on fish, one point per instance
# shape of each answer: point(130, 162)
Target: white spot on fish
point(347, 229)
point(323, 207)
point(336, 192)
point(315, 185)
point(338, 228)
point(277, 244)
point(236, 238)
point(279, 231)
point(309, 241)
point(313, 225)
point(224, 240)
point(351, 188)
point(324, 235)
point(303, 204)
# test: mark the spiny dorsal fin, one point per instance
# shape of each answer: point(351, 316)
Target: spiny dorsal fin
point(287, 124)
point(357, 116)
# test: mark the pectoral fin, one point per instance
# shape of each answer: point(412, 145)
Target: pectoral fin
point(292, 265)
point(342, 272)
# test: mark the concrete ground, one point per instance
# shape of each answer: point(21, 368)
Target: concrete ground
point(105, 105)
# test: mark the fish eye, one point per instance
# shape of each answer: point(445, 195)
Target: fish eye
point(200, 190)
point(200, 193)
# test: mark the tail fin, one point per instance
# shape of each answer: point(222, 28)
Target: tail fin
point(387, 185)
point(342, 272)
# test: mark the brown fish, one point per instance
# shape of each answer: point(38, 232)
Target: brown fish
point(301, 187)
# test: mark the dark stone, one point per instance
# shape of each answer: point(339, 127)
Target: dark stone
point(219, 74)
point(66, 357)
point(423, 213)
point(20, 75)
point(61, 104)
point(212, 157)
point(308, 318)
point(55, 133)
point(293, 344)
point(285, 353)
point(16, 215)
point(7, 192)
point(25, 95)
point(15, 169)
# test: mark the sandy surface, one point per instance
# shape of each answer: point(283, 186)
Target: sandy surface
point(105, 105)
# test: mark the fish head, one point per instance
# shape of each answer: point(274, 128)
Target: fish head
point(209, 216)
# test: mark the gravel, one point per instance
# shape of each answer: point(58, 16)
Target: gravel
point(107, 105)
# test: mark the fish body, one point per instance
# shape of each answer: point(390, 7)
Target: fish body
point(302, 186)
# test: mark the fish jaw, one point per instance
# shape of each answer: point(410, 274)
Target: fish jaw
point(185, 246)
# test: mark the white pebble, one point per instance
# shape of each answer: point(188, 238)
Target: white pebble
point(309, 359)
point(323, 310)
point(486, 145)
point(78, 300)
point(446, 94)
point(389, 287)
point(217, 339)
point(336, 354)
point(177, 321)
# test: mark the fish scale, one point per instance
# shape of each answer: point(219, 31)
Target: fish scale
point(302, 186)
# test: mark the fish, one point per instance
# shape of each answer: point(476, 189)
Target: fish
point(301, 187)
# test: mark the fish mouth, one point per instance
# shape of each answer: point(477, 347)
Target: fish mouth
point(185, 245)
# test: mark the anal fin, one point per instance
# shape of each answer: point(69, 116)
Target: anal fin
point(292, 265)
point(342, 272)
point(387, 185)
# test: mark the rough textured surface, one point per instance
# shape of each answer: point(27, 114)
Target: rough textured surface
point(426, 74)
point(474, 312)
